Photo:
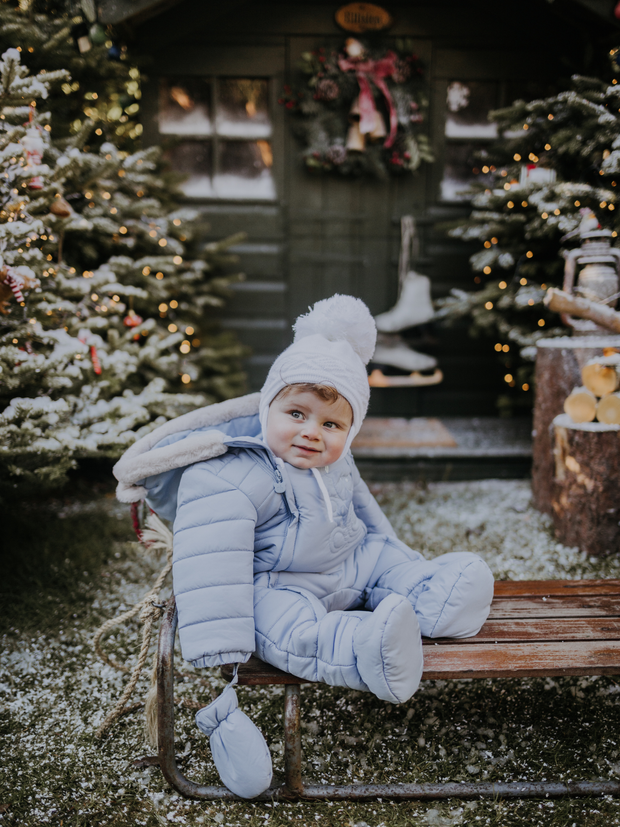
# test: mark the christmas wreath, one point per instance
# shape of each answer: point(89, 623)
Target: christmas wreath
point(360, 111)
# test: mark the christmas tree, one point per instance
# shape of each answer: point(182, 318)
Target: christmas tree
point(87, 355)
point(555, 165)
point(102, 84)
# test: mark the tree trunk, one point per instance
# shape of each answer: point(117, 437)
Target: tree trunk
point(586, 496)
point(558, 372)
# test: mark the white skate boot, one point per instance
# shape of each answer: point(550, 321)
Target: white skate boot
point(394, 352)
point(413, 307)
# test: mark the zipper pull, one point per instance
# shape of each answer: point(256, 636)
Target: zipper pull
point(280, 486)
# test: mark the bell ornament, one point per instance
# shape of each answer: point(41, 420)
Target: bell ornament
point(356, 142)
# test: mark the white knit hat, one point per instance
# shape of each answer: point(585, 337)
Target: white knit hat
point(333, 344)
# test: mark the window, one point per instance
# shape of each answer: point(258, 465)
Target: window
point(467, 133)
point(221, 130)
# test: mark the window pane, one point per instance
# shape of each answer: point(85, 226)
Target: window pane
point(243, 108)
point(245, 170)
point(461, 168)
point(467, 106)
point(193, 158)
point(185, 106)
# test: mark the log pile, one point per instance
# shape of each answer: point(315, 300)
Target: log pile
point(577, 453)
point(559, 363)
point(597, 399)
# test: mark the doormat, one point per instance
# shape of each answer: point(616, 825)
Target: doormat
point(420, 432)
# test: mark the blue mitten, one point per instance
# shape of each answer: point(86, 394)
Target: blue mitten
point(239, 750)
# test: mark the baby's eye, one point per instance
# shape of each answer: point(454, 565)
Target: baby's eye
point(296, 414)
point(331, 425)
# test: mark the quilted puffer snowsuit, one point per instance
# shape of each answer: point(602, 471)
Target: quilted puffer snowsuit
point(287, 562)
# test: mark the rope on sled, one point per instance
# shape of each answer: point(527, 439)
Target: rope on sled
point(155, 537)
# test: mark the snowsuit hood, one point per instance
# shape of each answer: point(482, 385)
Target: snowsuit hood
point(202, 435)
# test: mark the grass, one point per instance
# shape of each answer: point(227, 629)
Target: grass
point(70, 563)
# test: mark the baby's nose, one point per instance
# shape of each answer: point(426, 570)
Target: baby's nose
point(310, 430)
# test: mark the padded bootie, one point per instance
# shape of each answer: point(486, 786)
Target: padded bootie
point(239, 750)
point(388, 650)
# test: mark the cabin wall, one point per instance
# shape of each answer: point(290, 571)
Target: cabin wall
point(323, 234)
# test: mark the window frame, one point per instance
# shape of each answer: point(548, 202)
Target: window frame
point(213, 64)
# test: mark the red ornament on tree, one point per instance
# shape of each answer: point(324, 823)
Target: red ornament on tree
point(95, 360)
point(85, 336)
point(15, 285)
point(132, 319)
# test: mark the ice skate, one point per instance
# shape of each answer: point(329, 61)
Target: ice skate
point(413, 307)
point(397, 354)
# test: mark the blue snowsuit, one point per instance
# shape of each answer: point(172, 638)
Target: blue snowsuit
point(287, 562)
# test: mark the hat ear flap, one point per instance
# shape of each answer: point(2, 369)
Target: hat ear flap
point(239, 750)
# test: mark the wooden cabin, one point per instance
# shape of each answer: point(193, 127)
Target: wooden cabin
point(311, 235)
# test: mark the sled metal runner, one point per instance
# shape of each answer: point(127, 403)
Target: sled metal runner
point(535, 629)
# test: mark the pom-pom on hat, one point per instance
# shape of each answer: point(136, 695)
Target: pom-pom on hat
point(333, 344)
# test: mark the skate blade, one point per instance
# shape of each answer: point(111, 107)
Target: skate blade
point(378, 379)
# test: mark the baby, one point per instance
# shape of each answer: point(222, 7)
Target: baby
point(279, 547)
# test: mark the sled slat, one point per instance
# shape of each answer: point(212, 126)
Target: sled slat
point(556, 588)
point(521, 660)
point(566, 606)
point(536, 629)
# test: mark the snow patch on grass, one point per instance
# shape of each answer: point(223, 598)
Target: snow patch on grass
point(54, 692)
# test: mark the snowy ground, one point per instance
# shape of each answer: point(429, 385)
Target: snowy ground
point(54, 692)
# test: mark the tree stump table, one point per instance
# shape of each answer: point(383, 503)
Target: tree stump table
point(585, 498)
point(558, 371)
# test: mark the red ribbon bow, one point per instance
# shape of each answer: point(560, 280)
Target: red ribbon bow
point(375, 71)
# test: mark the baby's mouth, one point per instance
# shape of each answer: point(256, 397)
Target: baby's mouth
point(309, 450)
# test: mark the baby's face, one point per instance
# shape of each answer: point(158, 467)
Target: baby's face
point(306, 431)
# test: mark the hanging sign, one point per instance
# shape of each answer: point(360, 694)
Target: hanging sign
point(363, 17)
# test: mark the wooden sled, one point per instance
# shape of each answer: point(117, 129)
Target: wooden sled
point(535, 629)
